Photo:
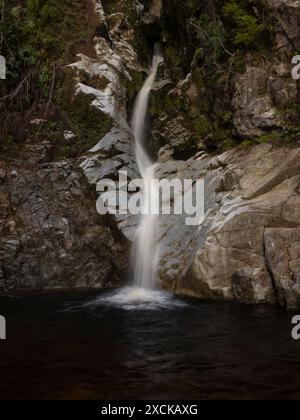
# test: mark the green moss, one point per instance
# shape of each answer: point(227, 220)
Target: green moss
point(174, 61)
point(226, 117)
point(228, 144)
point(193, 5)
point(71, 113)
point(224, 36)
point(39, 34)
point(52, 25)
point(247, 143)
point(133, 87)
point(239, 64)
point(8, 144)
point(172, 104)
point(247, 30)
point(140, 45)
point(202, 126)
point(88, 124)
point(65, 87)
point(268, 138)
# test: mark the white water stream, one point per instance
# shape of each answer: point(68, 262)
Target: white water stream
point(145, 255)
point(142, 294)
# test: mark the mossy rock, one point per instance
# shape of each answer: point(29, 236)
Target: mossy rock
point(133, 87)
point(202, 126)
point(88, 123)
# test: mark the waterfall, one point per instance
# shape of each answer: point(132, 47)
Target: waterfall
point(145, 258)
point(142, 294)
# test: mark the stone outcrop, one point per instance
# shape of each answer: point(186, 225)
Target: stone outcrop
point(248, 246)
point(50, 233)
point(283, 258)
point(266, 88)
point(154, 12)
point(288, 21)
point(261, 93)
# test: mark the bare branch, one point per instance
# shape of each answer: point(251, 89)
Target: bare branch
point(15, 92)
point(49, 100)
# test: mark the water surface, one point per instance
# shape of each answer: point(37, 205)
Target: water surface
point(116, 345)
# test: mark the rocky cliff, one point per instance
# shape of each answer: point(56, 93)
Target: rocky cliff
point(247, 249)
point(224, 108)
point(51, 234)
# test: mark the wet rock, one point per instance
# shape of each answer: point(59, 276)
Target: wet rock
point(237, 254)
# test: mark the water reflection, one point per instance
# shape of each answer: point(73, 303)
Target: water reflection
point(96, 346)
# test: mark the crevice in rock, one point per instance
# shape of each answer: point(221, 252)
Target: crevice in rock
point(270, 271)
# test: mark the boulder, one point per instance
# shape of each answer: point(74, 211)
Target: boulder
point(247, 248)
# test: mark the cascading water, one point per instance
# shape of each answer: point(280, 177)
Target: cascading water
point(142, 294)
point(145, 255)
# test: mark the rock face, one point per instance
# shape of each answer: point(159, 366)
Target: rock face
point(282, 256)
point(287, 17)
point(265, 89)
point(50, 233)
point(154, 12)
point(260, 93)
point(248, 246)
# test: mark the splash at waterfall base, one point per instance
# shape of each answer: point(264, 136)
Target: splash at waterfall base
point(136, 299)
point(175, 197)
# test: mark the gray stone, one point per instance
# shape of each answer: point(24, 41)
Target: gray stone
point(283, 259)
point(236, 254)
point(40, 248)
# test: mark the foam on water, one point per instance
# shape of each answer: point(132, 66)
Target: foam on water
point(132, 298)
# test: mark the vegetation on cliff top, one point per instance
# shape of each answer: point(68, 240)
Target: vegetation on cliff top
point(39, 39)
point(209, 39)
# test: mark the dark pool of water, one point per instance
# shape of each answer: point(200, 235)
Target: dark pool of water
point(195, 351)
